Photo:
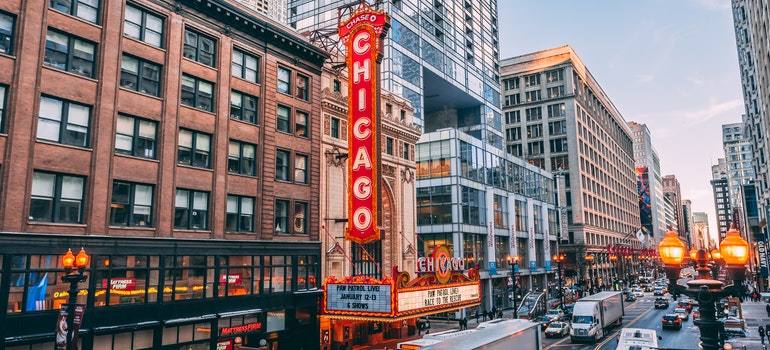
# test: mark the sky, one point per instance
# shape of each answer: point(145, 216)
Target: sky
point(669, 64)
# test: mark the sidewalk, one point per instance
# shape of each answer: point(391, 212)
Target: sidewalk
point(754, 315)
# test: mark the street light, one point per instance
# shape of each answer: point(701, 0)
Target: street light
point(590, 260)
point(74, 266)
point(734, 250)
point(559, 258)
point(514, 263)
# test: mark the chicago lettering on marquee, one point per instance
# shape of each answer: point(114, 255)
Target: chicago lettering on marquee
point(362, 34)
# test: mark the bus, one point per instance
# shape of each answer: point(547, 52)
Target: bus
point(533, 305)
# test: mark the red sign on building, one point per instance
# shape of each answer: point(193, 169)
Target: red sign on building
point(362, 34)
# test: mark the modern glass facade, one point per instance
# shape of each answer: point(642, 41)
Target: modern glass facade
point(485, 206)
point(440, 55)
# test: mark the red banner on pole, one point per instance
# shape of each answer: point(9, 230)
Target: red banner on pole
point(362, 34)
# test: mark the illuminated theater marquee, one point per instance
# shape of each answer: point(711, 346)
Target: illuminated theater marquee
point(362, 34)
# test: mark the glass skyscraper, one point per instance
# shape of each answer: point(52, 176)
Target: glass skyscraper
point(442, 55)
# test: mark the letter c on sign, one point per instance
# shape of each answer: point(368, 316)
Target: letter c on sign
point(362, 187)
point(358, 48)
point(361, 128)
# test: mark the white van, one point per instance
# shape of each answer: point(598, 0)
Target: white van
point(637, 339)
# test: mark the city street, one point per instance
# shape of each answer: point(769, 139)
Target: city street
point(640, 314)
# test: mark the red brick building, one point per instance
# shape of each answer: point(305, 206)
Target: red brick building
point(159, 135)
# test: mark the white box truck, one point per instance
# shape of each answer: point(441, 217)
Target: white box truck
point(499, 334)
point(593, 315)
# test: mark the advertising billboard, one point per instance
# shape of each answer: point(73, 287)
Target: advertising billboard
point(645, 203)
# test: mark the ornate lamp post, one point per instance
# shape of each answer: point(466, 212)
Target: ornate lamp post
point(735, 251)
point(559, 258)
point(514, 263)
point(74, 266)
point(590, 260)
point(613, 260)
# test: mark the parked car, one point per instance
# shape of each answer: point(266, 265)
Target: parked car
point(661, 303)
point(695, 313)
point(544, 322)
point(682, 313)
point(631, 297)
point(672, 321)
point(658, 291)
point(557, 329)
point(555, 315)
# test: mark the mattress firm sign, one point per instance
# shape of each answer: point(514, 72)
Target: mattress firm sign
point(435, 298)
point(358, 298)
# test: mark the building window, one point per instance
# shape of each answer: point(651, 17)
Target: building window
point(557, 110)
point(513, 117)
point(140, 75)
point(554, 75)
point(240, 214)
point(535, 148)
point(337, 86)
point(473, 206)
point(131, 204)
point(56, 198)
point(282, 165)
point(511, 84)
point(532, 79)
point(434, 205)
point(501, 211)
point(406, 151)
point(191, 209)
point(241, 158)
point(85, 9)
point(6, 33)
point(299, 224)
point(554, 92)
point(300, 168)
point(534, 131)
point(197, 93)
point(557, 128)
point(63, 122)
point(143, 26)
point(533, 96)
point(284, 80)
point(3, 98)
point(245, 66)
point(535, 113)
point(300, 124)
point(513, 134)
point(199, 48)
point(243, 107)
point(389, 145)
point(283, 119)
point(512, 100)
point(335, 128)
point(514, 150)
point(69, 53)
point(303, 87)
point(135, 137)
point(521, 216)
point(194, 148)
point(281, 216)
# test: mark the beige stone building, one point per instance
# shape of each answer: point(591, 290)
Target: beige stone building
point(399, 135)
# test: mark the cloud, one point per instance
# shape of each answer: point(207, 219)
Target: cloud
point(718, 5)
point(645, 78)
point(693, 117)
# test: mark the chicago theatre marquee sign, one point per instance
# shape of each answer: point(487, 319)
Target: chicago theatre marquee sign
point(440, 287)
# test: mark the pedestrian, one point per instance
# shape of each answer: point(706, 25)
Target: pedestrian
point(762, 334)
point(419, 327)
point(484, 315)
point(499, 313)
point(465, 323)
point(491, 315)
point(460, 321)
point(477, 316)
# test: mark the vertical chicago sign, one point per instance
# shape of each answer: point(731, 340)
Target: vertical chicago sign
point(362, 34)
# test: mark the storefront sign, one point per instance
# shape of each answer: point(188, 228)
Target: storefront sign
point(762, 249)
point(362, 34)
point(225, 345)
point(120, 283)
point(249, 327)
point(441, 262)
point(436, 297)
point(358, 297)
point(230, 279)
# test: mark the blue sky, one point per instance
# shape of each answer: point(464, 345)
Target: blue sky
point(672, 65)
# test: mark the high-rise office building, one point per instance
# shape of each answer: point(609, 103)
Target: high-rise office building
point(673, 191)
point(687, 210)
point(751, 35)
point(738, 156)
point(275, 9)
point(558, 117)
point(721, 192)
point(649, 182)
point(700, 228)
